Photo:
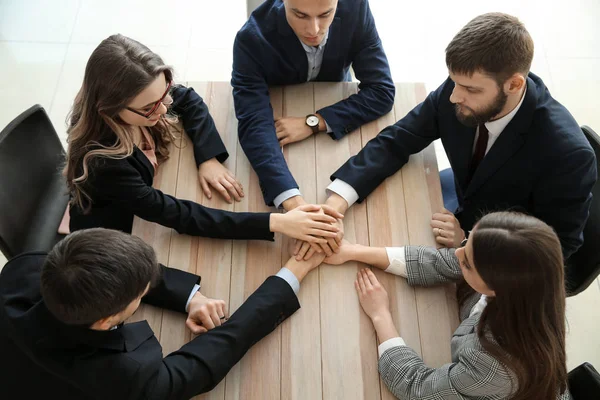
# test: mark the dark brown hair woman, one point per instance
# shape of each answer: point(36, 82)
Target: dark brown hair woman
point(511, 340)
point(121, 125)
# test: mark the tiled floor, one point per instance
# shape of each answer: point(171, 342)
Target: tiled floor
point(44, 46)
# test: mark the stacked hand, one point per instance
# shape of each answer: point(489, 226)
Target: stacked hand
point(311, 223)
point(344, 254)
point(212, 172)
point(304, 250)
point(446, 229)
point(205, 314)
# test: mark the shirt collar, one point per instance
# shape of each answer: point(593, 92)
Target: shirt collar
point(497, 126)
point(312, 49)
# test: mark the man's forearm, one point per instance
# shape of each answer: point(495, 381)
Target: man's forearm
point(293, 202)
point(337, 202)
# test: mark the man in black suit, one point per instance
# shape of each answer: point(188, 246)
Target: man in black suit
point(510, 144)
point(62, 314)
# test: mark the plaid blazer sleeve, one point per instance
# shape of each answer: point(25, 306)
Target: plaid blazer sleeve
point(474, 375)
point(427, 266)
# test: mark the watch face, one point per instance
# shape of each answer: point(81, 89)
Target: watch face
point(312, 120)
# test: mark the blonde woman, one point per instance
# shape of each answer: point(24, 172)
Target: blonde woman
point(119, 131)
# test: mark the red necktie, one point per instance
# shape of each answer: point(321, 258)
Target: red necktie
point(479, 153)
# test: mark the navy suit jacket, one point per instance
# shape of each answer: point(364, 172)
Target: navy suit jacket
point(541, 163)
point(45, 358)
point(267, 52)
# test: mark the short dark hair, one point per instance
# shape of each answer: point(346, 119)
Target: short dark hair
point(95, 273)
point(495, 44)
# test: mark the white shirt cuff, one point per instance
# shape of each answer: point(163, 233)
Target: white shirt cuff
point(286, 195)
point(290, 278)
point(340, 187)
point(397, 261)
point(329, 130)
point(390, 343)
point(194, 290)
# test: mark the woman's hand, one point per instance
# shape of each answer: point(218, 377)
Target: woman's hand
point(306, 223)
point(213, 173)
point(372, 295)
point(344, 254)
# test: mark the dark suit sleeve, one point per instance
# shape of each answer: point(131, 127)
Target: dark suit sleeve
point(563, 197)
point(256, 129)
point(377, 90)
point(386, 153)
point(198, 124)
point(202, 363)
point(172, 289)
point(119, 183)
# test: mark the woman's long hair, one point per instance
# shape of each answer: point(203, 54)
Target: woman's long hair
point(117, 71)
point(519, 257)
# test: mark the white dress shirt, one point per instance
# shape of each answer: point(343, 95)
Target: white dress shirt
point(494, 128)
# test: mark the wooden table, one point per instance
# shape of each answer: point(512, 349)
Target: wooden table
point(328, 349)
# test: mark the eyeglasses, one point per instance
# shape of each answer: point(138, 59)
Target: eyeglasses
point(148, 114)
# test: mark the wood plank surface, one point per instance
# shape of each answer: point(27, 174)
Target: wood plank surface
point(328, 349)
point(349, 348)
point(301, 376)
point(434, 316)
point(258, 374)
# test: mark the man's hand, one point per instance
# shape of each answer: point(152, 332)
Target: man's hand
point(291, 129)
point(301, 268)
point(205, 314)
point(212, 172)
point(446, 229)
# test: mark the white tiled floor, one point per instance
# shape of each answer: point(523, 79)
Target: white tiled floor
point(44, 46)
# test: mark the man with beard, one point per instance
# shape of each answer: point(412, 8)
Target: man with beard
point(510, 144)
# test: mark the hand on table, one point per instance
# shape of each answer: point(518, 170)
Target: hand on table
point(205, 314)
point(213, 173)
point(291, 129)
point(371, 294)
point(446, 229)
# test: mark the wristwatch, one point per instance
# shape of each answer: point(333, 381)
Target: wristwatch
point(313, 122)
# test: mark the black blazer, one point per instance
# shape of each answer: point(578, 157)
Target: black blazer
point(121, 189)
point(44, 358)
point(541, 163)
point(267, 52)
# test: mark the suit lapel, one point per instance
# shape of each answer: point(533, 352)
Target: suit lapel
point(511, 139)
point(292, 48)
point(331, 55)
point(148, 172)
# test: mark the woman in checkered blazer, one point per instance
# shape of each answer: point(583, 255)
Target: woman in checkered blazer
point(510, 287)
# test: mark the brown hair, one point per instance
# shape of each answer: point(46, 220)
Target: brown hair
point(117, 71)
point(495, 44)
point(95, 273)
point(519, 257)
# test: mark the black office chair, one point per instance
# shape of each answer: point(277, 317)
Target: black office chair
point(33, 192)
point(584, 382)
point(584, 266)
